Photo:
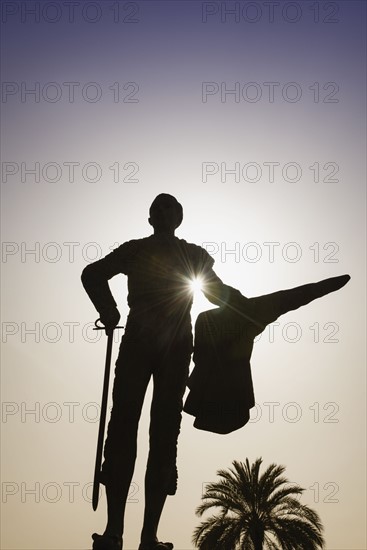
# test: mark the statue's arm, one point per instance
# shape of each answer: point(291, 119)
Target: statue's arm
point(272, 306)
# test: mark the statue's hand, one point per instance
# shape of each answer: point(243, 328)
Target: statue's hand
point(109, 318)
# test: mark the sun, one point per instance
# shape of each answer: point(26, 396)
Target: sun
point(196, 285)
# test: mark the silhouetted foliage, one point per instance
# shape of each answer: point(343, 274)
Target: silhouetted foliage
point(256, 512)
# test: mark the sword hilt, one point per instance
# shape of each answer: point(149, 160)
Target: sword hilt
point(102, 327)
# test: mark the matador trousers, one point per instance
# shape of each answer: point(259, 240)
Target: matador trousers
point(140, 359)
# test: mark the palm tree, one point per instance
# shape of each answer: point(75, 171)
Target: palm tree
point(257, 512)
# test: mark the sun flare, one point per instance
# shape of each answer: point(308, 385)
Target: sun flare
point(196, 284)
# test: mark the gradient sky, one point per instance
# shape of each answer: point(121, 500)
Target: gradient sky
point(164, 135)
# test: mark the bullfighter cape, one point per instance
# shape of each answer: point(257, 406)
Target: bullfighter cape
point(221, 389)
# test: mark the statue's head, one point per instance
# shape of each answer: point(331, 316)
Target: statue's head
point(165, 213)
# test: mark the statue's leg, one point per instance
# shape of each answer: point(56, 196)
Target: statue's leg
point(170, 378)
point(132, 376)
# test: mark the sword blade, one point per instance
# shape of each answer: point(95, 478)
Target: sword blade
point(102, 422)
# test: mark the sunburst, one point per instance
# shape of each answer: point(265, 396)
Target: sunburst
point(196, 284)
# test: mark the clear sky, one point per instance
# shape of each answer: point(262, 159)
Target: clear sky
point(253, 115)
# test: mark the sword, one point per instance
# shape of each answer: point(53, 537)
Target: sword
point(102, 420)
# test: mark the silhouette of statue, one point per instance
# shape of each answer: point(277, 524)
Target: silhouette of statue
point(221, 390)
point(158, 342)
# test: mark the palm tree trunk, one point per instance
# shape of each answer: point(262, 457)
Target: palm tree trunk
point(257, 537)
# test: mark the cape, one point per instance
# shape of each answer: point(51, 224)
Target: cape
point(221, 389)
